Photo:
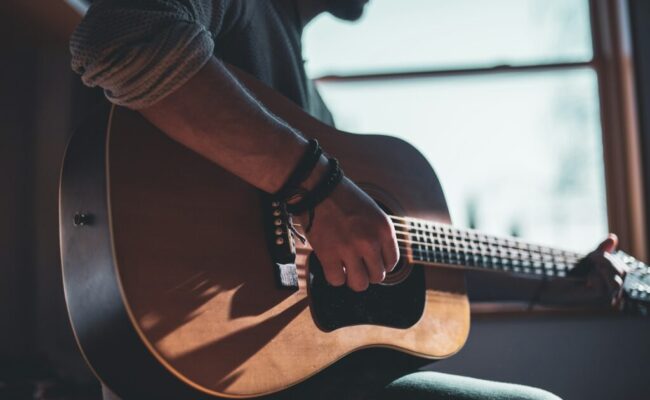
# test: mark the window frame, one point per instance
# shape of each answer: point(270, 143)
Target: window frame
point(639, 10)
point(613, 60)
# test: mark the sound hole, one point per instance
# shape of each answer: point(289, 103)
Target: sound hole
point(398, 305)
point(401, 271)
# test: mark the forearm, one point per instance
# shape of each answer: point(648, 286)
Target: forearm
point(214, 115)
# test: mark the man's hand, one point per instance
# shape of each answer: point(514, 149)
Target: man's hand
point(219, 114)
point(604, 273)
point(353, 238)
point(607, 272)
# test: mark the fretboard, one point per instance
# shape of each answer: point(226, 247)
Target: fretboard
point(426, 242)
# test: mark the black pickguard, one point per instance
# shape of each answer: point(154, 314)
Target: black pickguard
point(397, 306)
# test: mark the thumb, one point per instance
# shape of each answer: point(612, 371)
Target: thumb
point(609, 245)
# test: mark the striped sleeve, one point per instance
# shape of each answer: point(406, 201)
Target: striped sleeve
point(139, 51)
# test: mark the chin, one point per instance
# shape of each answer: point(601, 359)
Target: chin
point(349, 10)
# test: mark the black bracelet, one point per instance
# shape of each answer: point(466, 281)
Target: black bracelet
point(324, 188)
point(302, 170)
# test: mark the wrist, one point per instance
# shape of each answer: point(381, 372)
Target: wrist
point(295, 183)
point(309, 199)
point(313, 179)
point(317, 174)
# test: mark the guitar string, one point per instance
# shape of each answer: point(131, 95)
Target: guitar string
point(555, 274)
point(501, 241)
point(470, 234)
point(512, 245)
point(491, 253)
point(532, 248)
point(531, 270)
point(475, 235)
point(525, 252)
point(487, 247)
point(408, 249)
point(507, 268)
point(475, 252)
point(429, 257)
point(570, 257)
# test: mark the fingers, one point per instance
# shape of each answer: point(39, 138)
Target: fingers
point(615, 289)
point(356, 273)
point(609, 245)
point(611, 279)
point(374, 263)
point(612, 274)
point(333, 270)
point(380, 256)
point(367, 261)
point(615, 264)
point(617, 297)
point(389, 249)
point(356, 235)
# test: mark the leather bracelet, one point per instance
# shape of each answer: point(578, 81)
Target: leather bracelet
point(327, 184)
point(303, 169)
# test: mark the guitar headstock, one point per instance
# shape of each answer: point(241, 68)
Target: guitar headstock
point(636, 286)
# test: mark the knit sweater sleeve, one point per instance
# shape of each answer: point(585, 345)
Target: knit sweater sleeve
point(139, 51)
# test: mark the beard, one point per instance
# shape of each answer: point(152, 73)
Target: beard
point(348, 10)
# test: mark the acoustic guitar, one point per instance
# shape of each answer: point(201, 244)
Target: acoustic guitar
point(182, 281)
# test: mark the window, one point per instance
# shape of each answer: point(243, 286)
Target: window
point(502, 97)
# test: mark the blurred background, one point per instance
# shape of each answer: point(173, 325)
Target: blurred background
point(534, 113)
point(519, 152)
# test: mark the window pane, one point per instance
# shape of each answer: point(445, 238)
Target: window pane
point(440, 34)
point(516, 153)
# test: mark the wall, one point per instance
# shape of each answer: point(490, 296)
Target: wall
point(36, 118)
point(16, 177)
point(576, 357)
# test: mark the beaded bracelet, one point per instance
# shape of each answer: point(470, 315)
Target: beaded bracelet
point(302, 170)
point(310, 199)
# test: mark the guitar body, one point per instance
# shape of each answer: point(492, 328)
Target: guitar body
point(170, 282)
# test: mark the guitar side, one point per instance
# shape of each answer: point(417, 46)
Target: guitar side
point(97, 312)
point(174, 264)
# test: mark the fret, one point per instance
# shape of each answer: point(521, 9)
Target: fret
point(443, 244)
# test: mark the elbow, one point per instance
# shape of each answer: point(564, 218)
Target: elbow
point(138, 68)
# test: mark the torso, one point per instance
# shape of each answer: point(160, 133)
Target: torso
point(263, 38)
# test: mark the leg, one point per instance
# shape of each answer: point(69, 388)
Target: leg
point(435, 385)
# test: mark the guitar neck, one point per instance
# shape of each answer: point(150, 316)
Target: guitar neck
point(430, 243)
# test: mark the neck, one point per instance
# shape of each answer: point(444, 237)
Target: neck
point(310, 9)
point(431, 243)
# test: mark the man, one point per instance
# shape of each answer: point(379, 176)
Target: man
point(172, 61)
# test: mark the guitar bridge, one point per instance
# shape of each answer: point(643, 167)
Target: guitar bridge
point(280, 242)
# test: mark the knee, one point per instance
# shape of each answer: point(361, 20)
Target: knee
point(435, 385)
point(531, 393)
